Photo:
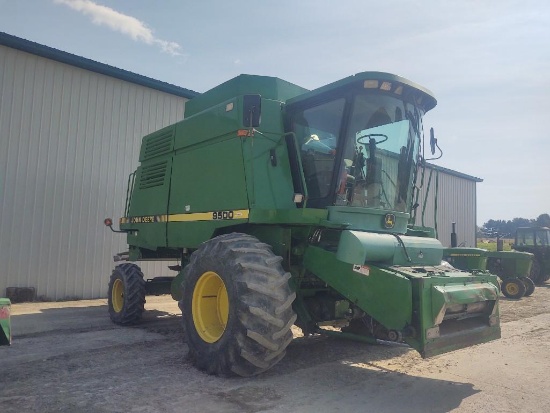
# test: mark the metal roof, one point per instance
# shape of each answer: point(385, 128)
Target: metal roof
point(91, 65)
point(454, 173)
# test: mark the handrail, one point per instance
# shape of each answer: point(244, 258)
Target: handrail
point(131, 181)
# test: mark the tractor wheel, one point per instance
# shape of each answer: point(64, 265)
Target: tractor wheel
point(126, 294)
point(513, 288)
point(529, 286)
point(236, 306)
point(536, 273)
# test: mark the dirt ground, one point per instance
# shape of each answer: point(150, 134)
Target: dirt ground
point(68, 357)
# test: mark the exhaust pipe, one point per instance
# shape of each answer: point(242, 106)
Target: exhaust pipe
point(454, 243)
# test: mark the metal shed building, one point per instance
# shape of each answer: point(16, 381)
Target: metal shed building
point(451, 197)
point(70, 132)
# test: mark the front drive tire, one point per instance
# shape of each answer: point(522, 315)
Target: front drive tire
point(513, 288)
point(236, 306)
point(126, 294)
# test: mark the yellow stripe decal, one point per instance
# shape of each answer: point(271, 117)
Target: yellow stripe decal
point(210, 216)
point(198, 216)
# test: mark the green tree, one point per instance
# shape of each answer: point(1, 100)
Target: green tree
point(494, 227)
point(543, 220)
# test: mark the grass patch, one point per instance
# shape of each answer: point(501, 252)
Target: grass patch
point(491, 245)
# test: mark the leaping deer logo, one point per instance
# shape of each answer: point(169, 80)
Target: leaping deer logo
point(389, 220)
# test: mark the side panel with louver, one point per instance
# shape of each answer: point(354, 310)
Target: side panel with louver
point(153, 175)
point(151, 187)
point(157, 144)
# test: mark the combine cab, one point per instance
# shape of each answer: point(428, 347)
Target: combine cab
point(287, 206)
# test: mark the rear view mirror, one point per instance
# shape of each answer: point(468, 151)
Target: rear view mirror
point(252, 111)
point(433, 141)
point(433, 146)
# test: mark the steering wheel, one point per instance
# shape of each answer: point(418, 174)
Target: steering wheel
point(359, 139)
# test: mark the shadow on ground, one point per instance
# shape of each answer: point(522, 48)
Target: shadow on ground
point(74, 319)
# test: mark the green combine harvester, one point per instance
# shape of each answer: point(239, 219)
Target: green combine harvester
point(287, 206)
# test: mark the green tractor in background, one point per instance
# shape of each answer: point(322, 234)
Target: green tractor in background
point(535, 240)
point(512, 267)
point(287, 206)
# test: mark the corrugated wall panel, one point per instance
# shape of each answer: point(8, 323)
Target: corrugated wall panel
point(68, 140)
point(456, 202)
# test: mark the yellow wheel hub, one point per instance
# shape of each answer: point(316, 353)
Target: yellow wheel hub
point(117, 295)
point(512, 289)
point(210, 307)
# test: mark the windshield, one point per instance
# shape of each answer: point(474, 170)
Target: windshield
point(525, 237)
point(365, 159)
point(318, 131)
point(542, 238)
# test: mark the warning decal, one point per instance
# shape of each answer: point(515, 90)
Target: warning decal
point(362, 269)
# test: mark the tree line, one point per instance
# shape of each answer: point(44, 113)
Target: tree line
point(504, 228)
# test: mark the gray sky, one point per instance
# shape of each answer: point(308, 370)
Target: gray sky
point(488, 63)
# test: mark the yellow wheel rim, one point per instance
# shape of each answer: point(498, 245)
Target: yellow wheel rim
point(117, 295)
point(512, 288)
point(210, 307)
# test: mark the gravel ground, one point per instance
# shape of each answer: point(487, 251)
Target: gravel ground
point(68, 357)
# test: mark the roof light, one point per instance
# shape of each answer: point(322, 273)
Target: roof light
point(386, 86)
point(370, 84)
point(399, 90)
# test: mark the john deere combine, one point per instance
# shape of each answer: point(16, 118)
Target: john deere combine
point(287, 206)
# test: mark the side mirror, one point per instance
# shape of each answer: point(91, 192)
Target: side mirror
point(252, 111)
point(433, 141)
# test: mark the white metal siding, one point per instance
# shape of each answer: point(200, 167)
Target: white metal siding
point(68, 140)
point(456, 202)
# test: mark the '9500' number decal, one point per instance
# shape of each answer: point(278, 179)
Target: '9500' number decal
point(197, 216)
point(222, 215)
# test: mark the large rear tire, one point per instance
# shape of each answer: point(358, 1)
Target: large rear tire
point(536, 273)
point(126, 294)
point(544, 275)
point(236, 306)
point(513, 288)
